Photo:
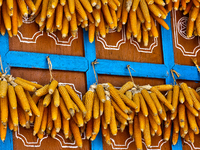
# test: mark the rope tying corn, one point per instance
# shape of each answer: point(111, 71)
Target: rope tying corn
point(177, 74)
point(50, 68)
point(194, 60)
point(94, 63)
point(129, 67)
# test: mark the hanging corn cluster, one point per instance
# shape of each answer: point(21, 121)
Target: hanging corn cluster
point(97, 16)
point(62, 109)
point(190, 8)
point(145, 110)
point(51, 108)
point(16, 100)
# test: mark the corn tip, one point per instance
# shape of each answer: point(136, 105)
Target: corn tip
point(57, 130)
point(34, 133)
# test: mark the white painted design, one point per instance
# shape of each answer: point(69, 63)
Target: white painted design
point(26, 143)
point(144, 49)
point(58, 137)
point(149, 49)
point(191, 145)
point(37, 34)
point(123, 41)
point(122, 146)
point(180, 29)
point(117, 45)
point(27, 20)
point(130, 140)
point(62, 42)
point(155, 147)
point(33, 39)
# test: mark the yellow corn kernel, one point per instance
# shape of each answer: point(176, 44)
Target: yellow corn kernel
point(22, 98)
point(89, 99)
point(44, 120)
point(76, 133)
point(162, 98)
point(96, 107)
point(42, 91)
point(12, 97)
point(52, 86)
point(117, 99)
point(76, 99)
point(68, 101)
point(113, 125)
point(57, 122)
point(38, 120)
point(4, 88)
point(149, 101)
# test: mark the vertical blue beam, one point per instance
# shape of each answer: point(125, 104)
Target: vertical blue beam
point(168, 57)
point(90, 55)
point(4, 42)
point(167, 45)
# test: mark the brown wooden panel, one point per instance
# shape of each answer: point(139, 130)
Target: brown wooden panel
point(118, 81)
point(42, 77)
point(123, 140)
point(116, 47)
point(29, 39)
point(190, 146)
point(184, 47)
point(47, 143)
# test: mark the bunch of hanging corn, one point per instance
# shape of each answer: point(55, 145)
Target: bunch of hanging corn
point(16, 103)
point(50, 108)
point(61, 108)
point(97, 16)
point(144, 109)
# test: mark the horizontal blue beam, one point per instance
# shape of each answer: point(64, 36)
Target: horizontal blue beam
point(115, 67)
point(187, 72)
point(38, 60)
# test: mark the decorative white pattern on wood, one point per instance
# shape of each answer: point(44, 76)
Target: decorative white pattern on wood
point(117, 45)
point(179, 27)
point(37, 34)
point(122, 41)
point(144, 49)
point(191, 145)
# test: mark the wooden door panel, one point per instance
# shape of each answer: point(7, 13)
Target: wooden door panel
point(30, 39)
point(116, 47)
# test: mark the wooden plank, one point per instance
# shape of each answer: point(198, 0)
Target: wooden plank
point(30, 39)
point(115, 46)
point(38, 60)
point(114, 67)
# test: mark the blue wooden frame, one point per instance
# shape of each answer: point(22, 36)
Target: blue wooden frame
point(109, 67)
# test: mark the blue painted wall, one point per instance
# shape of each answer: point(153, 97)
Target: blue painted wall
point(109, 67)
